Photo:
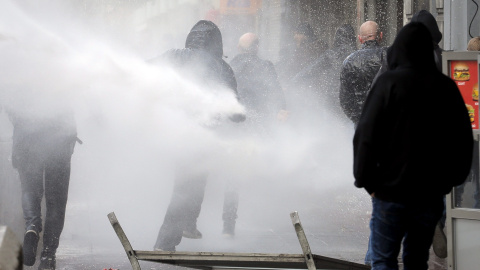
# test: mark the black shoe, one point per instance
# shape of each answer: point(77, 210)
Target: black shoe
point(192, 234)
point(30, 243)
point(47, 262)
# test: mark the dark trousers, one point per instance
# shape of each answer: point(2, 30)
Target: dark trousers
point(183, 210)
point(414, 224)
point(49, 177)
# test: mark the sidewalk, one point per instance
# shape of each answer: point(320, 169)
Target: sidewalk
point(336, 225)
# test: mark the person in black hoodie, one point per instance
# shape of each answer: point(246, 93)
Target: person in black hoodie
point(397, 160)
point(428, 20)
point(201, 62)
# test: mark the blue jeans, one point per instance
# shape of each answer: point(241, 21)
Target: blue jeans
point(414, 224)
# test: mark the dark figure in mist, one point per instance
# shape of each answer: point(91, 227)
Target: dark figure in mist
point(258, 85)
point(428, 20)
point(41, 152)
point(200, 61)
point(359, 70)
point(322, 78)
point(405, 169)
point(307, 48)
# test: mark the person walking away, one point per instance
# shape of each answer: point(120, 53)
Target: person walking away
point(261, 94)
point(201, 61)
point(42, 147)
point(307, 48)
point(405, 169)
point(257, 84)
point(359, 69)
point(322, 78)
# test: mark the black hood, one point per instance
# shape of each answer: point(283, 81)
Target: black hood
point(345, 37)
point(429, 21)
point(206, 36)
point(412, 47)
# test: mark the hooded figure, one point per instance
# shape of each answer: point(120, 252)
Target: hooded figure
point(399, 161)
point(292, 60)
point(427, 19)
point(322, 77)
point(200, 61)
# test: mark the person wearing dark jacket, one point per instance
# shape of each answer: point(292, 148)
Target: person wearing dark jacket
point(405, 169)
point(322, 77)
point(307, 48)
point(359, 69)
point(44, 136)
point(201, 62)
point(258, 85)
point(426, 18)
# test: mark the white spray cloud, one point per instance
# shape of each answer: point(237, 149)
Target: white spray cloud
point(137, 120)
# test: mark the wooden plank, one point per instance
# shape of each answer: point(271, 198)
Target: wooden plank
point(124, 240)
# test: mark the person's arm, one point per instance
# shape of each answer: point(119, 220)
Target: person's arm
point(365, 140)
point(347, 92)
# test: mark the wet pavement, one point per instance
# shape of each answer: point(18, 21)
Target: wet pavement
point(336, 225)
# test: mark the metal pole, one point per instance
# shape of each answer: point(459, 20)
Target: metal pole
point(302, 238)
point(124, 240)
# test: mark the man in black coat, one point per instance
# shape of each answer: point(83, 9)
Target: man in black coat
point(201, 62)
point(404, 167)
point(322, 78)
point(44, 136)
point(359, 70)
point(258, 85)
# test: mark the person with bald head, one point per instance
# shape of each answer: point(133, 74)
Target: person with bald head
point(359, 70)
point(257, 84)
point(260, 92)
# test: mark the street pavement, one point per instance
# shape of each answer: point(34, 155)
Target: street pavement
point(335, 222)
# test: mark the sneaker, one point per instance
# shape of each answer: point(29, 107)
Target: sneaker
point(30, 243)
point(228, 230)
point(194, 234)
point(164, 249)
point(439, 243)
point(47, 262)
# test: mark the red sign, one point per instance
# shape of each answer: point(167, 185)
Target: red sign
point(465, 75)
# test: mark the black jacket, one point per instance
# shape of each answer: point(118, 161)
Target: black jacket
point(323, 75)
point(414, 140)
point(201, 59)
point(356, 76)
point(258, 86)
point(427, 19)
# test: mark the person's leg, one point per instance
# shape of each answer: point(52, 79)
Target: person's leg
point(439, 243)
point(186, 191)
point(57, 179)
point(31, 178)
point(230, 207)
point(192, 210)
point(368, 254)
point(387, 231)
point(419, 235)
